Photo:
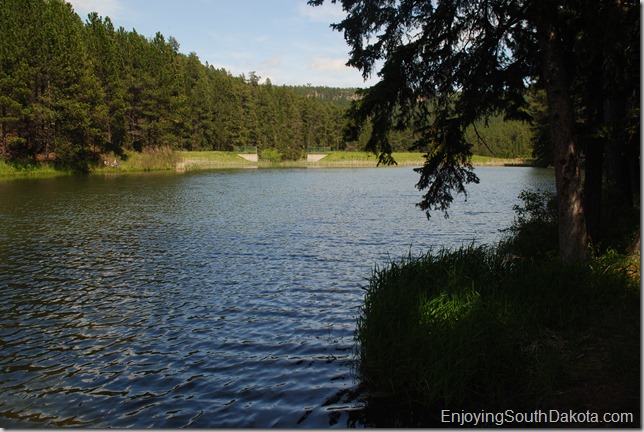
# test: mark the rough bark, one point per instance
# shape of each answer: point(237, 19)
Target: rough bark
point(573, 241)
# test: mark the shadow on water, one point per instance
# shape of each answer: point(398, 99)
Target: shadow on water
point(352, 408)
point(388, 413)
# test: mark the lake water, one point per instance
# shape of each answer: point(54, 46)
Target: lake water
point(210, 299)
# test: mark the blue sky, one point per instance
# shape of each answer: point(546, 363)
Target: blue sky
point(284, 40)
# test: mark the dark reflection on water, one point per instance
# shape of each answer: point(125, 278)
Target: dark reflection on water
point(219, 299)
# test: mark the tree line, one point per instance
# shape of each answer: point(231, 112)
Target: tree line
point(71, 91)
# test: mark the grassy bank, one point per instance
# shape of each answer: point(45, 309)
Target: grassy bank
point(361, 159)
point(148, 160)
point(219, 159)
point(161, 159)
point(167, 160)
point(194, 160)
point(21, 170)
point(334, 159)
point(503, 327)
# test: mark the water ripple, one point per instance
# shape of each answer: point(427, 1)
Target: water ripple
point(206, 300)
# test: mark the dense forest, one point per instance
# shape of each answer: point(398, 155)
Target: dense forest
point(71, 91)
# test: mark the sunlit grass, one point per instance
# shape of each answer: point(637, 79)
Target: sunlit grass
point(488, 160)
point(408, 159)
point(361, 158)
point(350, 156)
point(216, 157)
point(41, 170)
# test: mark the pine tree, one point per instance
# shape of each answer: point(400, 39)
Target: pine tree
point(14, 77)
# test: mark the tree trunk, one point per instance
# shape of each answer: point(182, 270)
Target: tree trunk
point(573, 239)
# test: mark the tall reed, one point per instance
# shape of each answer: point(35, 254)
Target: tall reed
point(473, 327)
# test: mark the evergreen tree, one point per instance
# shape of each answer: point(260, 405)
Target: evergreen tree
point(14, 75)
point(101, 40)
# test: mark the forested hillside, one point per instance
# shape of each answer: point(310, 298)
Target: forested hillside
point(73, 90)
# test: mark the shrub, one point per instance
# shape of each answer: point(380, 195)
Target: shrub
point(272, 155)
point(428, 329)
point(534, 232)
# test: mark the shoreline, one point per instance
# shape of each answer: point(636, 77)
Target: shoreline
point(186, 161)
point(192, 161)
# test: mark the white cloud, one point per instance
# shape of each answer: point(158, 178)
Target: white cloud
point(329, 64)
point(273, 62)
point(105, 8)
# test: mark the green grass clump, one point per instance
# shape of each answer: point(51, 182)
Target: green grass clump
point(410, 307)
point(34, 170)
point(473, 328)
point(152, 159)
